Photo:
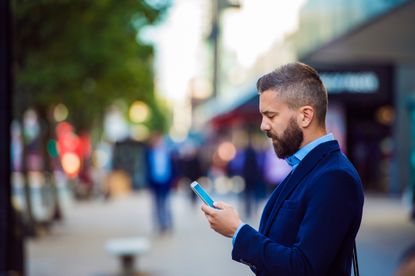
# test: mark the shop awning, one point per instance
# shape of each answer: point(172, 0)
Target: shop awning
point(388, 38)
point(220, 113)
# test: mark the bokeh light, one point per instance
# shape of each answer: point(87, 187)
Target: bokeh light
point(115, 125)
point(223, 185)
point(63, 129)
point(226, 151)
point(52, 148)
point(60, 112)
point(71, 164)
point(139, 112)
point(385, 115)
point(140, 132)
point(238, 184)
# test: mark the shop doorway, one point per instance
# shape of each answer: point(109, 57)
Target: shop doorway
point(370, 143)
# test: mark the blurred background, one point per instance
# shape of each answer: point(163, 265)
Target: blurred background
point(110, 109)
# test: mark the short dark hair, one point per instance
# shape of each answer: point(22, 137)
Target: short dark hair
point(299, 85)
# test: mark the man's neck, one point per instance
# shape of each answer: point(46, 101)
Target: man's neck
point(311, 136)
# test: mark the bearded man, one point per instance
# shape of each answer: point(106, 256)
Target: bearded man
point(309, 224)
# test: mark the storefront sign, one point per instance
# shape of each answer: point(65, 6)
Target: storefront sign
point(351, 82)
point(357, 83)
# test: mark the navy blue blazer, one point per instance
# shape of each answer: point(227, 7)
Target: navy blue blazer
point(310, 222)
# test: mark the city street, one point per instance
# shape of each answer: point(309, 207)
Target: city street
point(77, 245)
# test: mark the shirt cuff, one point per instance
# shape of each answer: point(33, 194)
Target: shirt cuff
point(236, 233)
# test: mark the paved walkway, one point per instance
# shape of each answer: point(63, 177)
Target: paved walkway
point(76, 246)
point(385, 234)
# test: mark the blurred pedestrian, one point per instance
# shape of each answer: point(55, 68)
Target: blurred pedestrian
point(190, 166)
point(251, 173)
point(160, 175)
point(310, 222)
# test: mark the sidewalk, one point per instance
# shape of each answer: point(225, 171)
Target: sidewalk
point(385, 234)
point(77, 246)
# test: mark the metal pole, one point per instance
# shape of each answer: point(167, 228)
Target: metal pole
point(217, 7)
point(11, 242)
point(215, 41)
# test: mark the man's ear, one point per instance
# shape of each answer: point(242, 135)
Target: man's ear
point(306, 116)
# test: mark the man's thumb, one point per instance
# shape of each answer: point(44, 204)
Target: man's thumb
point(219, 205)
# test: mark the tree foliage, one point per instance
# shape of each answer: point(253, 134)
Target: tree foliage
point(85, 54)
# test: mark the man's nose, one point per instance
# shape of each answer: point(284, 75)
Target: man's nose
point(264, 125)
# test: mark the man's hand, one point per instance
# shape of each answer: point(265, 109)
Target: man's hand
point(224, 220)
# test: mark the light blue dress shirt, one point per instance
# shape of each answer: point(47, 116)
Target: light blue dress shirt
point(294, 160)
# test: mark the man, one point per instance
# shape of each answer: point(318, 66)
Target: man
point(311, 219)
point(160, 175)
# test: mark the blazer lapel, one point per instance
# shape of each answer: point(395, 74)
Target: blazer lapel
point(305, 167)
point(271, 202)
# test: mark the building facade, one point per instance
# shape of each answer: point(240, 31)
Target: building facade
point(365, 52)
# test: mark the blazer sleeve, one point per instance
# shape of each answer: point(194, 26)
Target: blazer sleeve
point(334, 203)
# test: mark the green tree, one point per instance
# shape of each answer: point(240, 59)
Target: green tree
point(85, 54)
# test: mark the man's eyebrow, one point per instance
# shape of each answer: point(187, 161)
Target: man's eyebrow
point(268, 112)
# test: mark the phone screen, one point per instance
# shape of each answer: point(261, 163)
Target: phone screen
point(203, 195)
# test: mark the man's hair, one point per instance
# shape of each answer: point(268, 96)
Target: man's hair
point(298, 85)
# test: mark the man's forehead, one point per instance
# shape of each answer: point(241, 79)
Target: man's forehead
point(269, 99)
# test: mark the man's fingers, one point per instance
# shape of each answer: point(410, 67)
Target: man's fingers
point(210, 220)
point(219, 205)
point(208, 210)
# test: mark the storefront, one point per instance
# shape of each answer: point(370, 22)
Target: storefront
point(370, 72)
point(361, 117)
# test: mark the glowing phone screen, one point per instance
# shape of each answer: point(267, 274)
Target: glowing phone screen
point(202, 194)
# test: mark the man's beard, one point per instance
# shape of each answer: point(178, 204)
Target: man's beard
point(290, 141)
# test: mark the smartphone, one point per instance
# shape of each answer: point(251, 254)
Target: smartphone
point(202, 194)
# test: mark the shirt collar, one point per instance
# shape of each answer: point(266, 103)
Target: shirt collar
point(296, 158)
